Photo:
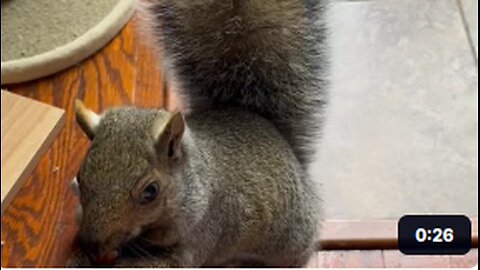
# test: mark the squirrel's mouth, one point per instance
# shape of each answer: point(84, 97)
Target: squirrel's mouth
point(106, 259)
point(129, 249)
point(134, 246)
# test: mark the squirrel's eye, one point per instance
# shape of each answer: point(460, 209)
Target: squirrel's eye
point(149, 193)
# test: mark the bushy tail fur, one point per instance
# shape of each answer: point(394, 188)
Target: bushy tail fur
point(267, 56)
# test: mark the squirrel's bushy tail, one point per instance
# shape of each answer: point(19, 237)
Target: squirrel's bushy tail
point(267, 56)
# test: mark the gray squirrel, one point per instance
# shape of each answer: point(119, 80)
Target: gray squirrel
point(226, 178)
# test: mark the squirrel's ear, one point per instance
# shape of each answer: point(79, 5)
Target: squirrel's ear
point(87, 119)
point(168, 136)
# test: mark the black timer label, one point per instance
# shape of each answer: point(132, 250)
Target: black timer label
point(434, 234)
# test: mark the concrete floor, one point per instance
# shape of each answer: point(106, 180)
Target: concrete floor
point(401, 131)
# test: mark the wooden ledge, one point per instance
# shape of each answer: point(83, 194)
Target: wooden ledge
point(367, 234)
point(28, 129)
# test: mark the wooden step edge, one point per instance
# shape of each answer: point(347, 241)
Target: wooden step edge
point(366, 234)
point(15, 107)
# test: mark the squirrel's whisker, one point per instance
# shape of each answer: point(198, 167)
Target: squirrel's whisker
point(139, 248)
point(148, 241)
point(133, 250)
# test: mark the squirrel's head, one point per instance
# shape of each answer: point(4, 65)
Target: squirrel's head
point(129, 177)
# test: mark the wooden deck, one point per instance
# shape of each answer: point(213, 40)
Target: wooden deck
point(388, 259)
point(38, 226)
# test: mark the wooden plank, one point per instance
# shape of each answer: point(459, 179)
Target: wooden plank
point(149, 85)
point(465, 261)
point(313, 261)
point(389, 259)
point(28, 129)
point(367, 234)
point(350, 259)
point(358, 234)
point(395, 259)
point(475, 232)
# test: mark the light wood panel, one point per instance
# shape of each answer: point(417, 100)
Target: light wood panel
point(28, 129)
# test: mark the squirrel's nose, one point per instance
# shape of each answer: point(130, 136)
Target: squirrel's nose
point(102, 257)
point(94, 251)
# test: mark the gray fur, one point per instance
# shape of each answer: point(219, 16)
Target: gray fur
point(238, 191)
point(266, 56)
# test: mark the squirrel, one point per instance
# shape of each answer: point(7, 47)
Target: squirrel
point(225, 179)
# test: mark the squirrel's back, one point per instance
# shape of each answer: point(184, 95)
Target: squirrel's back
point(266, 56)
point(263, 190)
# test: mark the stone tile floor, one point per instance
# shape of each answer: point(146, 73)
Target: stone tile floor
point(401, 131)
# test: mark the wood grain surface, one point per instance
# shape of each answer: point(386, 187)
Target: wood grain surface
point(389, 259)
point(28, 129)
point(38, 227)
